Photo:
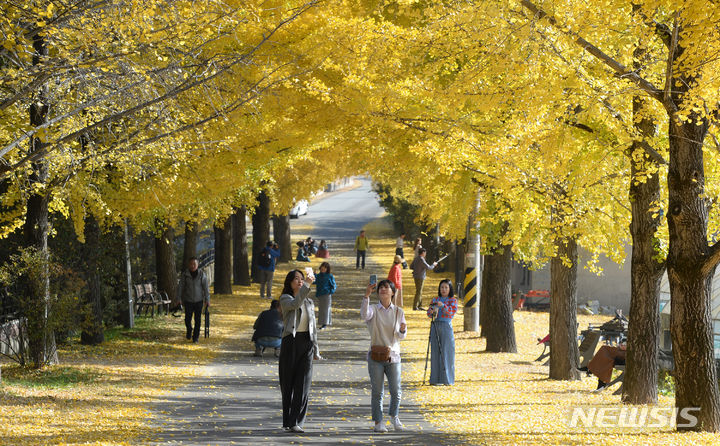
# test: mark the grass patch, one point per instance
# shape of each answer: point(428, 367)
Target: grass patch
point(50, 377)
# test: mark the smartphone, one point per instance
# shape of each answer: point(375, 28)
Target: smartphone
point(373, 279)
point(309, 272)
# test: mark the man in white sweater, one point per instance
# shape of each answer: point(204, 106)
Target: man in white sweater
point(386, 323)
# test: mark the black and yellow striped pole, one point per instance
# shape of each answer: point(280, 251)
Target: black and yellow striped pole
point(471, 293)
point(469, 287)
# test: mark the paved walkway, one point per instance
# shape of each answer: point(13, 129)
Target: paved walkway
point(237, 401)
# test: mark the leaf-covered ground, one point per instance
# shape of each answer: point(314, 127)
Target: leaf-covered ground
point(502, 398)
point(102, 395)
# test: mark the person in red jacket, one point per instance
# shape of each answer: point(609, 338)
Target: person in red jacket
point(395, 276)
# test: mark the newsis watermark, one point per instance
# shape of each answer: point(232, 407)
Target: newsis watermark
point(634, 417)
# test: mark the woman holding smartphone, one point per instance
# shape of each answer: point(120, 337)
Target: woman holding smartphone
point(386, 323)
point(298, 348)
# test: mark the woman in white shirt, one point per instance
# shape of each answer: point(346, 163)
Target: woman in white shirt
point(386, 323)
point(298, 349)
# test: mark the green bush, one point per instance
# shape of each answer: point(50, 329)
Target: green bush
point(666, 383)
point(46, 299)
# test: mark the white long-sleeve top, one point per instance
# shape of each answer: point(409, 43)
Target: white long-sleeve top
point(383, 327)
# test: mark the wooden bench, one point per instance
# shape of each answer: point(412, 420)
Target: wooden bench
point(618, 379)
point(590, 340)
point(546, 349)
point(147, 298)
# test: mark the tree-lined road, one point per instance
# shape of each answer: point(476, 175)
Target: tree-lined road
point(237, 399)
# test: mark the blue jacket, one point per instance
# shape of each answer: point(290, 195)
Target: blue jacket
point(325, 283)
point(274, 255)
point(301, 256)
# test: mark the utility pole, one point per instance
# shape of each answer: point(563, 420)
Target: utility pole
point(473, 273)
point(128, 270)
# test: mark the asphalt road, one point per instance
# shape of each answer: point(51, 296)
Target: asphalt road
point(341, 215)
point(237, 399)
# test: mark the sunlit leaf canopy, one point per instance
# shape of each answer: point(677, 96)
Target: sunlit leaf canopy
point(183, 110)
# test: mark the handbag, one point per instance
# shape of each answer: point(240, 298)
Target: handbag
point(381, 353)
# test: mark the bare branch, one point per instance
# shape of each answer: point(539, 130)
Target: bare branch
point(671, 56)
point(661, 30)
point(712, 260)
point(182, 87)
point(621, 70)
point(715, 140)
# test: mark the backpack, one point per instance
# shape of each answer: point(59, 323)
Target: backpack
point(413, 264)
point(265, 259)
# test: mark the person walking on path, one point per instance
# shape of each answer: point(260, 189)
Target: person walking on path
point(442, 340)
point(326, 287)
point(386, 323)
point(266, 267)
point(361, 246)
point(400, 249)
point(420, 267)
point(194, 292)
point(416, 248)
point(298, 349)
point(268, 329)
point(395, 276)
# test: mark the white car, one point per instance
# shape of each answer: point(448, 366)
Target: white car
point(300, 208)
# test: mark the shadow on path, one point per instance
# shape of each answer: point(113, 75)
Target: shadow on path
point(237, 400)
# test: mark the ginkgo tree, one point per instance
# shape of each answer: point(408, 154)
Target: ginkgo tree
point(453, 100)
point(686, 89)
point(108, 86)
point(193, 108)
point(583, 65)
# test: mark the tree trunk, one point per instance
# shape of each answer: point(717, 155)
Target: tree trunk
point(460, 268)
point(430, 243)
point(484, 292)
point(35, 230)
point(500, 332)
point(165, 270)
point(223, 258)
point(641, 373)
point(564, 356)
point(281, 233)
point(261, 232)
point(190, 243)
point(690, 276)
point(92, 333)
point(448, 249)
point(241, 268)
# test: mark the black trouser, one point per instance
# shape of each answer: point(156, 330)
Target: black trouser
point(296, 360)
point(357, 260)
point(193, 309)
point(399, 252)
